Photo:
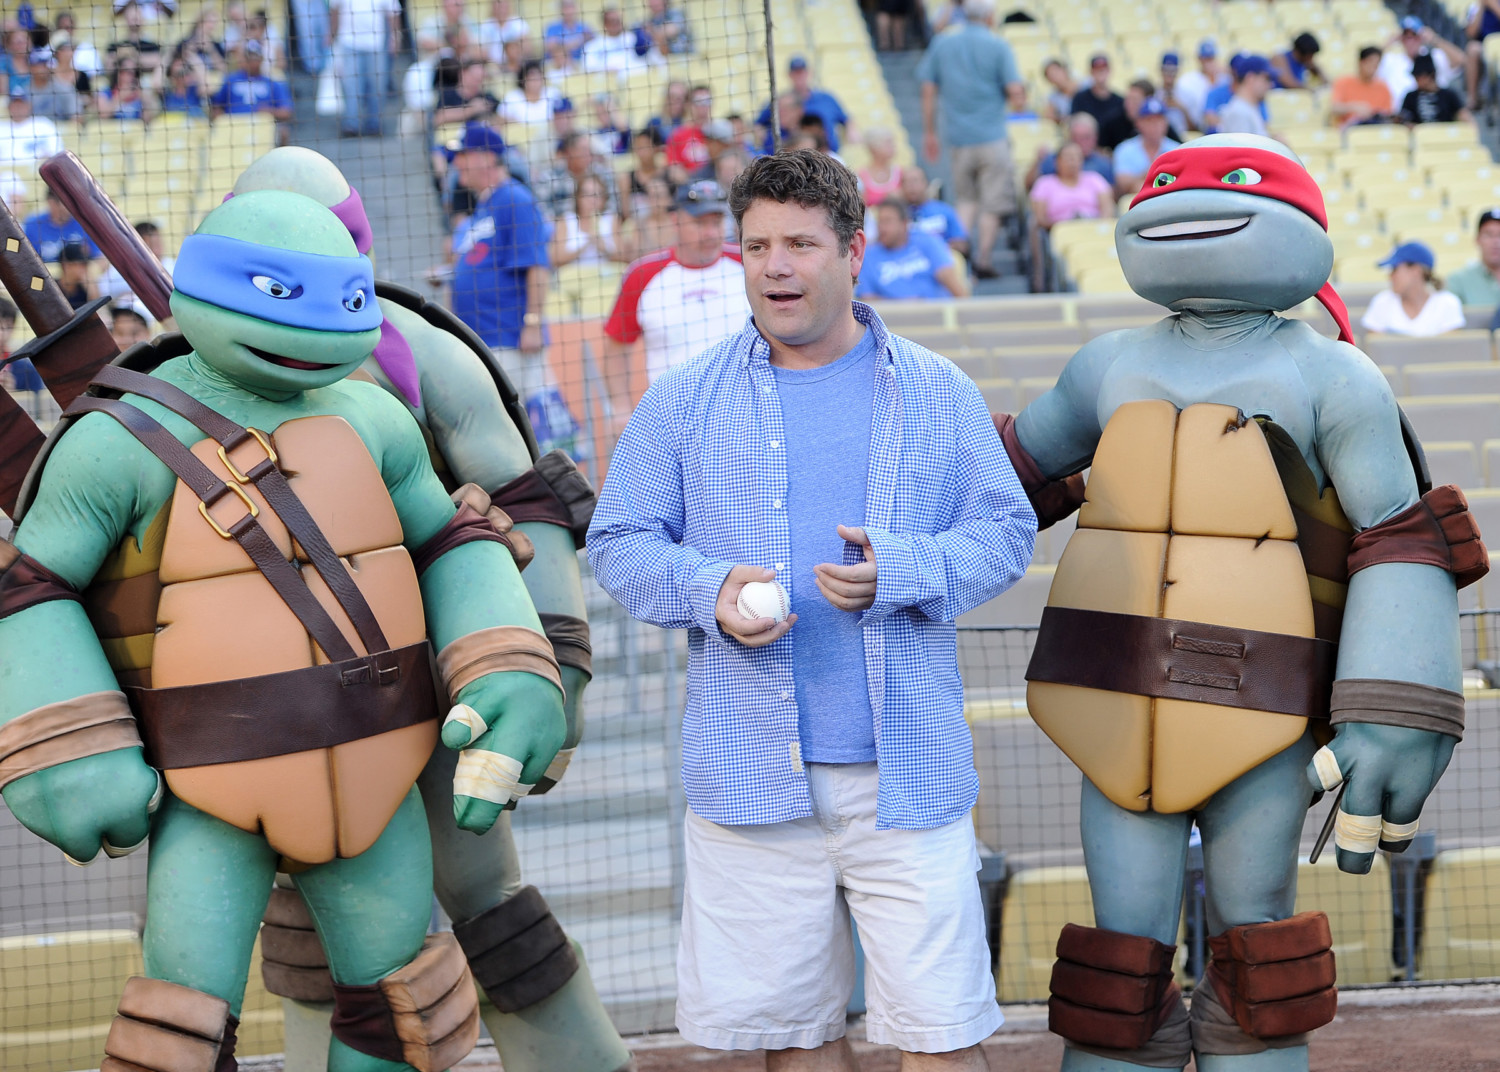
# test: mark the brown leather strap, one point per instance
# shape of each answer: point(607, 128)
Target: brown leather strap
point(1178, 660)
point(58, 732)
point(552, 491)
point(466, 526)
point(1398, 703)
point(1437, 531)
point(25, 582)
point(1276, 978)
point(270, 482)
point(569, 637)
point(246, 531)
point(295, 711)
point(517, 950)
point(1052, 500)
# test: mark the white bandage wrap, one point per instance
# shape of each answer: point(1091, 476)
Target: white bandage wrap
point(1357, 833)
point(559, 764)
point(487, 776)
point(1399, 831)
point(469, 719)
point(1327, 766)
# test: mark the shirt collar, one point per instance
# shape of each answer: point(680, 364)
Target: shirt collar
point(752, 345)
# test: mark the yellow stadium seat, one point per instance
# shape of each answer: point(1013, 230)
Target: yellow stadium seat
point(1401, 218)
point(1358, 270)
point(1451, 246)
point(1359, 245)
point(1102, 279)
point(1038, 901)
point(1461, 932)
point(1293, 107)
point(1069, 233)
point(1379, 195)
point(1378, 136)
point(1433, 135)
point(1359, 915)
point(58, 1018)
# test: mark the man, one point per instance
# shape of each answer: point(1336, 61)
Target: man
point(718, 139)
point(1428, 103)
point(827, 765)
point(146, 51)
point(1176, 116)
point(569, 29)
point(53, 228)
point(1297, 67)
point(930, 215)
point(500, 29)
point(1192, 88)
point(554, 188)
point(614, 48)
point(902, 263)
point(1134, 156)
point(365, 33)
point(1083, 131)
point(129, 324)
point(113, 283)
point(664, 30)
point(973, 74)
point(1418, 39)
point(821, 103)
point(85, 55)
point(1361, 97)
point(1245, 112)
point(50, 98)
point(248, 91)
point(26, 140)
point(1478, 282)
point(679, 300)
point(1104, 104)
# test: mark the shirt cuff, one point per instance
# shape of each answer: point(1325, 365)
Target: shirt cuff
point(895, 565)
point(703, 596)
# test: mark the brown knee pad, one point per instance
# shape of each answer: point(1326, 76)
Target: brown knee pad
point(163, 1027)
point(1114, 991)
point(426, 1014)
point(293, 964)
point(518, 951)
point(1275, 979)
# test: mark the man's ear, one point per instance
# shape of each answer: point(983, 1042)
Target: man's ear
point(857, 253)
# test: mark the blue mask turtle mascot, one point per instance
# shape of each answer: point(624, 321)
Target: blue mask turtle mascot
point(479, 436)
point(239, 564)
point(1253, 555)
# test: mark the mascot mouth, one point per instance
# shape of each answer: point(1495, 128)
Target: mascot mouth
point(286, 362)
point(1187, 230)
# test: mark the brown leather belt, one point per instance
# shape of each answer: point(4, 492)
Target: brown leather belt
point(1177, 660)
point(295, 711)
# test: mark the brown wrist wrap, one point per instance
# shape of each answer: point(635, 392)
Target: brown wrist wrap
point(466, 526)
point(1052, 500)
point(1276, 978)
point(1437, 531)
point(25, 582)
point(1109, 989)
point(69, 729)
point(521, 547)
point(553, 491)
point(1398, 703)
point(500, 649)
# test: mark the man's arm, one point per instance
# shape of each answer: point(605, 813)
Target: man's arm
point(1015, 96)
point(948, 276)
point(1455, 54)
point(931, 148)
point(537, 277)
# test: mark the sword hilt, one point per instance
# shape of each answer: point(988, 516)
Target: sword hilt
point(26, 279)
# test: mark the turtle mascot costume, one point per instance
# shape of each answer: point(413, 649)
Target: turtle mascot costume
point(232, 567)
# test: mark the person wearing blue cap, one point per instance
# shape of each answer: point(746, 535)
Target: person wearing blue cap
point(1245, 111)
point(1416, 304)
point(1193, 87)
point(1414, 39)
point(1134, 156)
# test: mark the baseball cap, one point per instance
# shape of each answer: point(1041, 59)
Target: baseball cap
point(1423, 64)
point(74, 251)
point(797, 63)
point(479, 138)
point(1244, 65)
point(718, 130)
point(1152, 106)
point(1207, 47)
point(1489, 215)
point(1409, 253)
point(562, 105)
point(701, 198)
point(252, 47)
point(1412, 24)
point(1171, 59)
point(19, 91)
point(41, 56)
point(1098, 59)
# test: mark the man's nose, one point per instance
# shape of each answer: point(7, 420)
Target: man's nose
point(779, 262)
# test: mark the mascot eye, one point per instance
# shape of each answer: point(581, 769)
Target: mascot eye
point(1164, 180)
point(355, 303)
point(274, 287)
point(1242, 177)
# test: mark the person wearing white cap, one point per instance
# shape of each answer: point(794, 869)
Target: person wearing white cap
point(1416, 304)
point(25, 139)
point(1478, 282)
point(51, 97)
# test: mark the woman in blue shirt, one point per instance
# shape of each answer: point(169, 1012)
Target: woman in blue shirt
point(182, 94)
point(124, 98)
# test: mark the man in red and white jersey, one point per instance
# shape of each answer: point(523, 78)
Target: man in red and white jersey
point(682, 300)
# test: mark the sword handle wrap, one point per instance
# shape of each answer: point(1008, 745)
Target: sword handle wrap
point(27, 280)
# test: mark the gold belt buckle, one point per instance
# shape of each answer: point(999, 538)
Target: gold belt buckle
point(263, 440)
point(244, 498)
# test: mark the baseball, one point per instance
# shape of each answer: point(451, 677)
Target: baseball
point(764, 599)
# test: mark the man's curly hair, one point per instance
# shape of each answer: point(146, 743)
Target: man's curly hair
point(811, 179)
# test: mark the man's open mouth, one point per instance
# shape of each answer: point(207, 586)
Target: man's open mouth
point(782, 297)
point(1191, 229)
point(284, 361)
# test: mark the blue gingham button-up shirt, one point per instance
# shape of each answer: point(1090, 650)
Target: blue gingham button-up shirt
point(697, 485)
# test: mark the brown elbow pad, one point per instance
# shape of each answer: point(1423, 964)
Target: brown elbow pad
point(1276, 978)
point(25, 582)
point(466, 526)
point(1109, 989)
point(293, 964)
point(1437, 531)
point(1052, 500)
point(163, 1027)
point(521, 547)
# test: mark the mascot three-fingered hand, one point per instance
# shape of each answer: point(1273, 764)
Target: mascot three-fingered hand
point(1258, 605)
point(233, 570)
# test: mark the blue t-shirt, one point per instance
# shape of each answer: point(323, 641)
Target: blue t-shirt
point(1131, 157)
point(940, 219)
point(243, 95)
point(908, 272)
point(506, 236)
point(1219, 96)
point(189, 103)
point(819, 103)
point(48, 238)
point(971, 69)
point(574, 38)
point(826, 414)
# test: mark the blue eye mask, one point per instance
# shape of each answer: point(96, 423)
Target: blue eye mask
point(298, 290)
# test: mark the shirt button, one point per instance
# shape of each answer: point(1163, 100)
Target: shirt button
point(775, 504)
point(775, 444)
point(780, 566)
point(786, 696)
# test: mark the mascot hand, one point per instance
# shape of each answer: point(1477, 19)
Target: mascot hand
point(1390, 771)
point(103, 801)
point(509, 726)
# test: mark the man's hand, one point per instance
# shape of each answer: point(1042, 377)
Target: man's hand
point(930, 147)
point(751, 632)
point(531, 339)
point(509, 726)
point(849, 588)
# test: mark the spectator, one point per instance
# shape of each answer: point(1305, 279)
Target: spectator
point(673, 112)
point(74, 279)
point(1104, 104)
point(718, 139)
point(183, 94)
point(1297, 67)
point(15, 61)
point(728, 166)
point(26, 140)
point(571, 30)
point(1417, 39)
point(686, 149)
point(664, 29)
point(150, 10)
point(1478, 282)
point(789, 116)
point(555, 188)
point(1429, 104)
point(86, 56)
point(560, 62)
point(656, 226)
point(891, 17)
point(1361, 97)
point(114, 284)
point(1063, 86)
point(1137, 94)
point(1245, 112)
point(1083, 131)
point(588, 234)
point(613, 49)
point(813, 101)
point(610, 132)
point(53, 228)
point(1134, 156)
point(1071, 193)
point(310, 24)
point(258, 28)
point(66, 72)
point(647, 146)
point(1416, 304)
point(468, 101)
point(529, 106)
point(235, 25)
point(248, 91)
point(903, 263)
point(950, 13)
point(681, 300)
point(1484, 19)
point(17, 374)
point(973, 75)
point(1176, 116)
point(881, 177)
point(365, 33)
point(147, 53)
point(930, 215)
point(124, 98)
point(129, 324)
point(203, 46)
point(1192, 88)
point(563, 115)
point(503, 27)
point(451, 23)
point(51, 97)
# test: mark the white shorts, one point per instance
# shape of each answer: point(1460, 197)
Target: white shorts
point(766, 959)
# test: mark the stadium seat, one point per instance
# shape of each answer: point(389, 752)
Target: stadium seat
point(58, 1017)
point(260, 1030)
point(1455, 346)
point(1359, 915)
point(1043, 310)
point(1490, 450)
point(1031, 362)
point(1457, 378)
point(1389, 137)
point(1434, 135)
point(1453, 418)
point(1101, 279)
point(1485, 505)
point(1453, 463)
point(1030, 388)
point(1461, 926)
point(1021, 335)
point(999, 394)
point(1402, 218)
point(1356, 269)
point(1038, 901)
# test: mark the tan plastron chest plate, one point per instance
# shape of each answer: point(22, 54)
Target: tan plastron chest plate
point(1185, 518)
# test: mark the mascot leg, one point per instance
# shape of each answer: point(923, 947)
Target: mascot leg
point(1113, 998)
point(1271, 976)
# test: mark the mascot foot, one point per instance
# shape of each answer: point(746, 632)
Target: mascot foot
point(1290, 1059)
point(1078, 1061)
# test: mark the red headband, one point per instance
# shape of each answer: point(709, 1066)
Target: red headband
point(1260, 172)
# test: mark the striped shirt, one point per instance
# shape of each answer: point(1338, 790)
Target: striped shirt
point(697, 485)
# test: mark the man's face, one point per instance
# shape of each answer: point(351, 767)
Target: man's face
point(75, 271)
point(1411, 41)
point(798, 283)
point(453, 11)
point(1152, 127)
point(1168, 75)
point(475, 168)
point(1489, 244)
point(1257, 84)
point(891, 226)
point(614, 22)
point(473, 80)
point(41, 74)
point(1133, 100)
point(801, 80)
point(914, 185)
point(1368, 66)
point(578, 156)
point(1085, 136)
point(133, 18)
point(1099, 72)
point(20, 109)
point(569, 10)
point(1427, 83)
point(252, 63)
point(699, 237)
point(127, 330)
point(703, 107)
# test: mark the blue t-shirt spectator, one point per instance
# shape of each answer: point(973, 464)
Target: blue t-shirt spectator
point(189, 102)
point(245, 94)
point(971, 69)
point(573, 37)
point(506, 236)
point(48, 238)
point(1131, 157)
point(823, 105)
point(940, 219)
point(907, 272)
point(1218, 97)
